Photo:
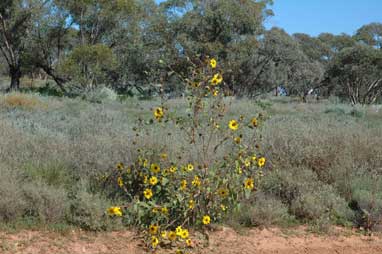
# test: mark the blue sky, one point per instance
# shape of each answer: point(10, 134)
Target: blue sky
point(316, 16)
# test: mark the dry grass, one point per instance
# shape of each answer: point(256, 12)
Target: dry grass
point(322, 156)
point(23, 101)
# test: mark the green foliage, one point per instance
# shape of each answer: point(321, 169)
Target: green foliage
point(371, 34)
point(166, 191)
point(12, 204)
point(367, 198)
point(123, 44)
point(53, 174)
point(34, 199)
point(264, 210)
point(87, 210)
point(307, 198)
point(48, 204)
point(88, 65)
point(358, 69)
point(277, 60)
point(101, 94)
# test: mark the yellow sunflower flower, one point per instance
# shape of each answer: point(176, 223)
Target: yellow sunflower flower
point(191, 204)
point(249, 184)
point(216, 79)
point(233, 125)
point(261, 162)
point(171, 236)
point(153, 229)
point(178, 230)
point(206, 219)
point(153, 180)
point(196, 182)
point(115, 210)
point(148, 193)
point(120, 181)
point(154, 241)
point(183, 184)
point(247, 162)
point(223, 192)
point(164, 210)
point(188, 242)
point(164, 234)
point(254, 122)
point(155, 168)
point(158, 113)
point(213, 63)
point(184, 234)
point(163, 156)
point(120, 166)
point(237, 140)
point(173, 169)
point(190, 167)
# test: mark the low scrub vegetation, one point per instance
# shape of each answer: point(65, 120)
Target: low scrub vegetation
point(19, 100)
point(322, 167)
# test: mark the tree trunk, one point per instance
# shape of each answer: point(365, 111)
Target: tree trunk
point(15, 73)
point(60, 81)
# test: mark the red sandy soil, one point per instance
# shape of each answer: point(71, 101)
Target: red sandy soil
point(222, 241)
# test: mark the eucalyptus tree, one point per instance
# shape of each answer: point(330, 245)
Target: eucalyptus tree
point(15, 24)
point(370, 34)
point(314, 48)
point(336, 43)
point(50, 40)
point(95, 23)
point(279, 60)
point(216, 28)
point(356, 74)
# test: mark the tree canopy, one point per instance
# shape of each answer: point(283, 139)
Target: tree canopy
point(125, 44)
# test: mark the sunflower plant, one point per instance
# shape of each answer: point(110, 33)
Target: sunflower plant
point(222, 164)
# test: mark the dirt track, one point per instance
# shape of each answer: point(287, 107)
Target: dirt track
point(224, 241)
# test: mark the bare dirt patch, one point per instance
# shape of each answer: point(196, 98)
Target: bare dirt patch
point(222, 241)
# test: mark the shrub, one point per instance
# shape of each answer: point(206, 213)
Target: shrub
point(97, 59)
point(201, 182)
point(356, 113)
point(87, 210)
point(307, 198)
point(53, 173)
point(35, 199)
point(47, 204)
point(336, 110)
point(12, 203)
point(367, 199)
point(263, 210)
point(100, 95)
